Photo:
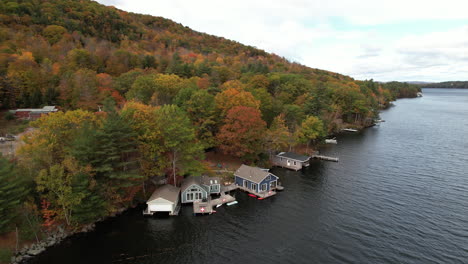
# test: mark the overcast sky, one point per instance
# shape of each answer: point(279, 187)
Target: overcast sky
point(404, 40)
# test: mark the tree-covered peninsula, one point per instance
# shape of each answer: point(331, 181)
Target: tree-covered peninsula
point(144, 97)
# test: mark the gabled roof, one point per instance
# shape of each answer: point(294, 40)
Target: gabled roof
point(294, 156)
point(210, 180)
point(167, 192)
point(253, 174)
point(189, 181)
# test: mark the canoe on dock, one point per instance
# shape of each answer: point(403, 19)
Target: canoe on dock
point(232, 203)
point(331, 141)
point(350, 130)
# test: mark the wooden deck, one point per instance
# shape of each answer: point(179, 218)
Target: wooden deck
point(200, 207)
point(322, 157)
point(259, 194)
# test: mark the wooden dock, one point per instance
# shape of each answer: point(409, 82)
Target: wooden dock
point(327, 158)
point(206, 207)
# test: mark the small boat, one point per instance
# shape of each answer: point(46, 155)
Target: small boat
point(350, 130)
point(419, 94)
point(331, 141)
point(379, 121)
point(260, 198)
point(252, 195)
point(232, 203)
point(218, 205)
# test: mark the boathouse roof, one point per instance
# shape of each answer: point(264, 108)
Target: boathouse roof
point(210, 180)
point(167, 192)
point(253, 174)
point(294, 156)
point(200, 181)
point(189, 181)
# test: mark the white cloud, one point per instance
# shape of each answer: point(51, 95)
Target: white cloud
point(308, 32)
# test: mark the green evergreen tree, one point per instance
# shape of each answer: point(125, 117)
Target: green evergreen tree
point(12, 193)
point(92, 205)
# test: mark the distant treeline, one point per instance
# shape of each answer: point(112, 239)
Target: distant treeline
point(456, 84)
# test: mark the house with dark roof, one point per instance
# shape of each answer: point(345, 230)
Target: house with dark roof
point(164, 199)
point(197, 188)
point(290, 160)
point(256, 181)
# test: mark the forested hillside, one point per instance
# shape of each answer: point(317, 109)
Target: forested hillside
point(143, 96)
point(455, 84)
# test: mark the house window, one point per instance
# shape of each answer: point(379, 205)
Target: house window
point(294, 163)
point(189, 196)
point(253, 186)
point(264, 187)
point(216, 181)
point(245, 184)
point(211, 181)
point(194, 190)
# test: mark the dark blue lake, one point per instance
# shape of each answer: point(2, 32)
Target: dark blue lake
point(399, 194)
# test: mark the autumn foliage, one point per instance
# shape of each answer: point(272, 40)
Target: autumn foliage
point(242, 132)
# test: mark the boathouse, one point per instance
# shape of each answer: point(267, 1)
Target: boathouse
point(257, 181)
point(164, 199)
point(290, 160)
point(196, 188)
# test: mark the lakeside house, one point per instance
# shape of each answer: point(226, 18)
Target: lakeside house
point(33, 113)
point(199, 188)
point(164, 199)
point(291, 160)
point(256, 181)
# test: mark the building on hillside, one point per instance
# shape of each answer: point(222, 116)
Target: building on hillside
point(290, 160)
point(33, 113)
point(164, 199)
point(257, 181)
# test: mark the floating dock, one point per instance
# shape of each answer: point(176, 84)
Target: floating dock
point(327, 158)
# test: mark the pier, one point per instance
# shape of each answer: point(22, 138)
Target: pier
point(327, 158)
point(206, 207)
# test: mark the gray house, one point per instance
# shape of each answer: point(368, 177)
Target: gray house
point(199, 188)
point(290, 160)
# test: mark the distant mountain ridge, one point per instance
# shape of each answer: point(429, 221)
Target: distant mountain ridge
point(449, 84)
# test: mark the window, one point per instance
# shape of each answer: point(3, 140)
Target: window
point(211, 181)
point(194, 190)
point(216, 181)
point(264, 187)
point(189, 196)
point(294, 163)
point(253, 186)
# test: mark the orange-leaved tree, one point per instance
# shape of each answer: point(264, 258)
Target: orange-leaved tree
point(242, 132)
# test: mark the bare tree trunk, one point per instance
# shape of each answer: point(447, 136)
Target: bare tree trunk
point(34, 230)
point(17, 239)
point(174, 160)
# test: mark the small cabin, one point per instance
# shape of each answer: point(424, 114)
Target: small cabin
point(164, 199)
point(257, 181)
point(291, 160)
point(197, 188)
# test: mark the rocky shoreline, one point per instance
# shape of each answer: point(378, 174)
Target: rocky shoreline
point(54, 238)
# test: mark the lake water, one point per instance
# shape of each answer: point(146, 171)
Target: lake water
point(398, 195)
